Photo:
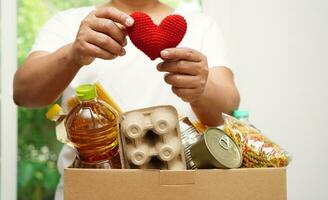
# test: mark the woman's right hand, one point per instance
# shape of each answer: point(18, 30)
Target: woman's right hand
point(102, 35)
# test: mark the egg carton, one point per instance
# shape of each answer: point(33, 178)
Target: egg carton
point(150, 139)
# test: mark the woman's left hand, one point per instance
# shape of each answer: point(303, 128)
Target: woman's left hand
point(187, 72)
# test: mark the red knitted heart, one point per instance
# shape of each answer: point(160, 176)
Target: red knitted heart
point(152, 39)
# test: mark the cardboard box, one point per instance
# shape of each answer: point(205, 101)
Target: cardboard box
point(213, 184)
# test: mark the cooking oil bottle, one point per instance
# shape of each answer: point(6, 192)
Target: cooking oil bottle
point(92, 128)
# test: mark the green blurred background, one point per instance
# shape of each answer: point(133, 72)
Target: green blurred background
point(38, 148)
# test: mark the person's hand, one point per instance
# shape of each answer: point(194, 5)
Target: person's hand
point(187, 72)
point(102, 35)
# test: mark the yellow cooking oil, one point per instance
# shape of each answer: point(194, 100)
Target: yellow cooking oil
point(92, 128)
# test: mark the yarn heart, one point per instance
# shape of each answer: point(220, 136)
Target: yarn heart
point(152, 39)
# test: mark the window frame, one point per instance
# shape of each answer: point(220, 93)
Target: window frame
point(8, 123)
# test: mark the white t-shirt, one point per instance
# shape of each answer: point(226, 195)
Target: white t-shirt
point(132, 80)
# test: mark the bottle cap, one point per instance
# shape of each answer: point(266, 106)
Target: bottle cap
point(239, 114)
point(54, 112)
point(86, 92)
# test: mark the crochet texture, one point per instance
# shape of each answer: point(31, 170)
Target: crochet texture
point(152, 39)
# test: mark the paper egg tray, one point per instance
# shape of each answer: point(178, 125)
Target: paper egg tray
point(150, 139)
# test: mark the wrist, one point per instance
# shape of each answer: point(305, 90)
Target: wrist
point(198, 102)
point(71, 57)
point(204, 96)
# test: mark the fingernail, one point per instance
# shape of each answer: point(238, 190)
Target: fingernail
point(159, 66)
point(164, 53)
point(129, 21)
point(125, 42)
point(123, 52)
point(166, 75)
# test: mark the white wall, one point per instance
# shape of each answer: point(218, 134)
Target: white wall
point(279, 52)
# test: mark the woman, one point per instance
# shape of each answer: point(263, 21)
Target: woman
point(90, 44)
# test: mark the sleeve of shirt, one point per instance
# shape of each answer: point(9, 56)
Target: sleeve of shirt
point(52, 35)
point(213, 46)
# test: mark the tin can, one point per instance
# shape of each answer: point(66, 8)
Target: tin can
point(189, 136)
point(215, 149)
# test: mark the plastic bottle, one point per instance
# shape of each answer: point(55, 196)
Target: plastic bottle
point(57, 115)
point(243, 115)
point(92, 127)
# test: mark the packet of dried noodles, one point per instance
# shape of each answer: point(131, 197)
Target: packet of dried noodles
point(258, 150)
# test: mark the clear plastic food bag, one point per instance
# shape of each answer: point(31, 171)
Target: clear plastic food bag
point(258, 150)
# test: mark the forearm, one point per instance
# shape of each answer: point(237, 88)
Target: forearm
point(220, 96)
point(43, 77)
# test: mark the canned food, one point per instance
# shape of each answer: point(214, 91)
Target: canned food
point(215, 149)
point(189, 136)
